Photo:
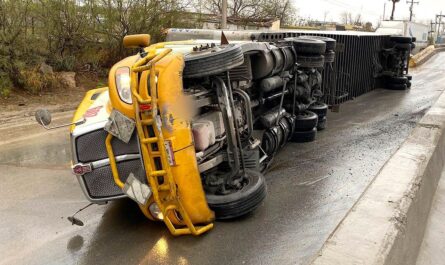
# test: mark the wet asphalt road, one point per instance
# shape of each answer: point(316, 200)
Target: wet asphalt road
point(311, 187)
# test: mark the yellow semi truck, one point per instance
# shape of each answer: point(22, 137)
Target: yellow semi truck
point(186, 129)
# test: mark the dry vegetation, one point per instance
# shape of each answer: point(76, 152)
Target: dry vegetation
point(70, 35)
point(85, 35)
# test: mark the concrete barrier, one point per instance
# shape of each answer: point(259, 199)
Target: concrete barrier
point(387, 223)
point(425, 55)
point(422, 56)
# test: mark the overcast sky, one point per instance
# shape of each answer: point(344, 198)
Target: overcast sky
point(371, 10)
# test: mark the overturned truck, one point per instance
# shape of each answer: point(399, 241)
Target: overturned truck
point(187, 129)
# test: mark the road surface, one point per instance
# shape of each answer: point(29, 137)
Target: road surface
point(311, 187)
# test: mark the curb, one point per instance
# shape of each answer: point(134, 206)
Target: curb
point(425, 55)
point(386, 225)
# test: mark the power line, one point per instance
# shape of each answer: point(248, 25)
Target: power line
point(411, 8)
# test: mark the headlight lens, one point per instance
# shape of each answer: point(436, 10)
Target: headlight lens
point(155, 211)
point(123, 82)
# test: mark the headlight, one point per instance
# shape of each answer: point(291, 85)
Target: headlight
point(155, 211)
point(123, 82)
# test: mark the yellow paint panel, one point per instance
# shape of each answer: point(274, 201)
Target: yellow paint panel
point(175, 116)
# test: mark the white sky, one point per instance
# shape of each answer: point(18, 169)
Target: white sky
point(371, 10)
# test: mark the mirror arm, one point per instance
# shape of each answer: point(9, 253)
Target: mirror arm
point(79, 122)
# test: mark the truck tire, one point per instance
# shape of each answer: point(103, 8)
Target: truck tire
point(330, 43)
point(393, 86)
point(319, 108)
point(322, 123)
point(397, 80)
point(403, 46)
point(240, 202)
point(401, 39)
point(269, 142)
point(305, 121)
point(329, 57)
point(309, 46)
point(212, 61)
point(304, 137)
point(310, 61)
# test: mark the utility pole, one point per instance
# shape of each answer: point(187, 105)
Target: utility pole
point(430, 32)
point(384, 10)
point(439, 23)
point(393, 9)
point(411, 9)
point(433, 26)
point(224, 14)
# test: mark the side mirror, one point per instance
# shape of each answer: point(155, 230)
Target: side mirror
point(136, 41)
point(43, 117)
point(75, 221)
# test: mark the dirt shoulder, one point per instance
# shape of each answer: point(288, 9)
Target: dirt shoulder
point(21, 105)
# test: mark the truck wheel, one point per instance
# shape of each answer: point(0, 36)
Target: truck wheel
point(309, 46)
point(319, 108)
point(329, 57)
point(240, 202)
point(270, 143)
point(397, 80)
point(305, 121)
point(403, 46)
point(308, 61)
point(401, 39)
point(322, 122)
point(397, 86)
point(212, 61)
point(330, 43)
point(304, 137)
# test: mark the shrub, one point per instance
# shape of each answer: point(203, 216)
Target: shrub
point(5, 86)
point(63, 64)
point(36, 82)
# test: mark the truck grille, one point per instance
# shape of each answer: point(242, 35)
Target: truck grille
point(91, 146)
point(100, 183)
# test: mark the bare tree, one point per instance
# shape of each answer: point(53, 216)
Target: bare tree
point(358, 20)
point(350, 20)
point(255, 9)
point(325, 15)
point(346, 17)
point(368, 26)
